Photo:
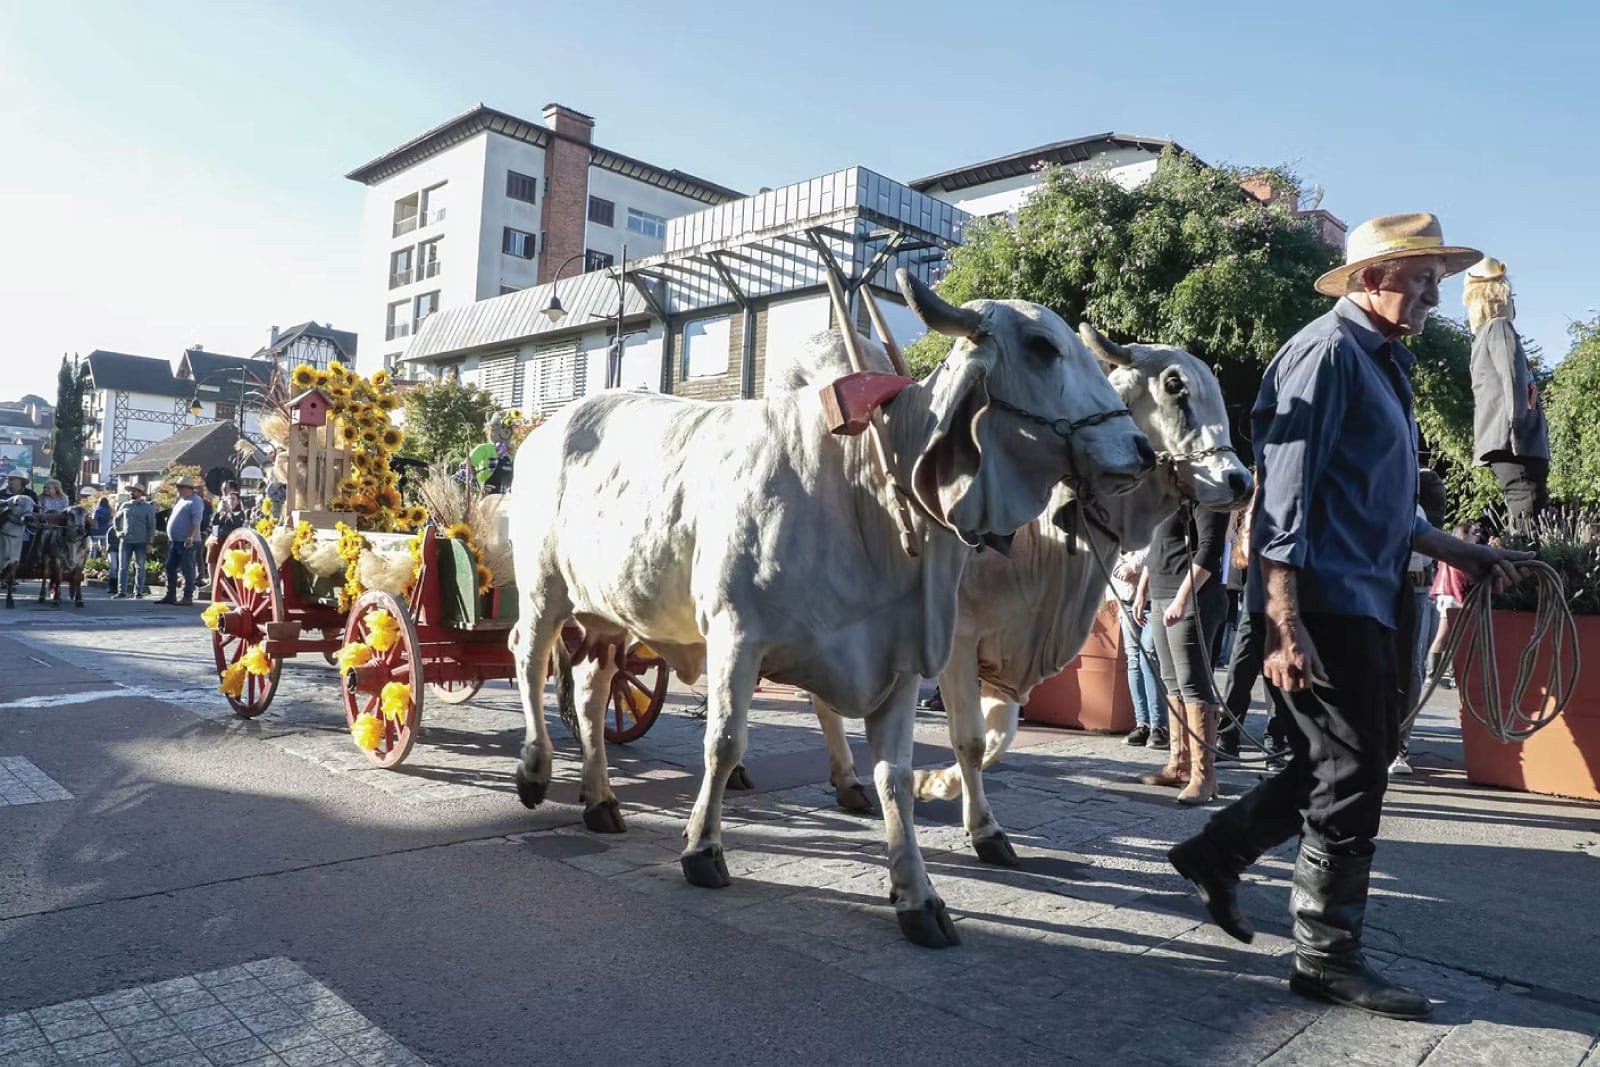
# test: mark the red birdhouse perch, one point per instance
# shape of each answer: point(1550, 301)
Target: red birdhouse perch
point(310, 408)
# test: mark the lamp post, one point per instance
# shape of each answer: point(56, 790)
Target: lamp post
point(195, 407)
point(553, 310)
point(555, 313)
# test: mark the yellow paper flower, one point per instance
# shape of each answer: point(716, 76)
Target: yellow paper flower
point(232, 684)
point(383, 632)
point(257, 662)
point(395, 701)
point(255, 578)
point(234, 561)
point(367, 731)
point(354, 655)
point(212, 616)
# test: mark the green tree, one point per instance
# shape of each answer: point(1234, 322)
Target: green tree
point(1574, 418)
point(70, 433)
point(1442, 379)
point(444, 420)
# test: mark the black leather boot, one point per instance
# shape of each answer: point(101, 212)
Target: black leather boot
point(1216, 880)
point(1329, 904)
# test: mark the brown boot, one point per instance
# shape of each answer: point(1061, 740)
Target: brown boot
point(1176, 772)
point(1202, 787)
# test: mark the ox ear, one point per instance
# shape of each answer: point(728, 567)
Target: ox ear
point(969, 476)
point(1104, 348)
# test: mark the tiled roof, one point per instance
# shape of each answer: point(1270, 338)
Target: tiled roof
point(135, 374)
point(213, 370)
point(1077, 150)
point(207, 445)
point(343, 340)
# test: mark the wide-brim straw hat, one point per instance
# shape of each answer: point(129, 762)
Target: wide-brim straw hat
point(1390, 237)
point(1487, 269)
point(187, 482)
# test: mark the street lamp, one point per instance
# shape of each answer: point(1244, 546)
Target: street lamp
point(197, 410)
point(553, 310)
point(555, 313)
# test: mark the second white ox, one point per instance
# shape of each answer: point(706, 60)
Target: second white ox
point(1026, 615)
point(743, 540)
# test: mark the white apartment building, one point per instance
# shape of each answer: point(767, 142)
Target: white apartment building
point(488, 204)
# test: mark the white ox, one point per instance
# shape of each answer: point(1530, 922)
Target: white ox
point(743, 540)
point(1026, 615)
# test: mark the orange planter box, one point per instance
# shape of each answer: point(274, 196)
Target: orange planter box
point(1091, 693)
point(1563, 759)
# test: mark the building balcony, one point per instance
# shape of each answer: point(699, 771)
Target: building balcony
point(407, 224)
point(428, 270)
point(398, 329)
point(400, 277)
point(431, 217)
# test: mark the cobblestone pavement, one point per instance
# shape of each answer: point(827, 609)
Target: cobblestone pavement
point(1091, 952)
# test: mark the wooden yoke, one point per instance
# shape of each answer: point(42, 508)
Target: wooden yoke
point(850, 399)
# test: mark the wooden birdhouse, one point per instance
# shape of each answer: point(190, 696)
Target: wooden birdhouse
point(310, 408)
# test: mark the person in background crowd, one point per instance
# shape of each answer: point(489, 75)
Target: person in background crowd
point(1509, 435)
point(113, 543)
point(1232, 582)
point(230, 514)
point(1450, 587)
point(102, 516)
point(1244, 666)
point(183, 541)
point(1128, 585)
point(135, 524)
point(203, 571)
point(1334, 524)
point(1185, 561)
point(53, 499)
point(1420, 575)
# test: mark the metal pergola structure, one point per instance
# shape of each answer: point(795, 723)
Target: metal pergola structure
point(855, 224)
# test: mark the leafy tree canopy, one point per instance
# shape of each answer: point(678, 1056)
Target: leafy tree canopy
point(444, 420)
point(1574, 417)
point(70, 433)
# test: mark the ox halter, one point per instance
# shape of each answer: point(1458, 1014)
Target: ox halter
point(1063, 428)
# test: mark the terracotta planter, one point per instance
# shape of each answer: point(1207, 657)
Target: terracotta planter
point(1092, 692)
point(1563, 759)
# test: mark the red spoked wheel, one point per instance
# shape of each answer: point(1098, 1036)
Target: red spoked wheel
point(456, 691)
point(394, 720)
point(638, 693)
point(245, 624)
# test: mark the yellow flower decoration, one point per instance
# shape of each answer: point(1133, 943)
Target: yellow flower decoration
point(305, 536)
point(383, 632)
point(256, 661)
point(255, 578)
point(367, 731)
point(393, 438)
point(389, 497)
point(485, 579)
point(417, 515)
point(232, 684)
point(212, 616)
point(320, 379)
point(459, 531)
point(354, 655)
point(303, 377)
point(348, 431)
point(235, 560)
point(380, 379)
point(395, 701)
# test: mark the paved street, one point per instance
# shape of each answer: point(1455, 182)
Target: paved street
point(178, 886)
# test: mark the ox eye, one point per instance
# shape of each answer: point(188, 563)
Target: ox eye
point(1042, 347)
point(1174, 385)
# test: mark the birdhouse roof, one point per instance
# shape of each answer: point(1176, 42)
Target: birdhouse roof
point(295, 402)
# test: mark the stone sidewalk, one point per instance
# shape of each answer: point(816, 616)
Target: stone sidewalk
point(1092, 951)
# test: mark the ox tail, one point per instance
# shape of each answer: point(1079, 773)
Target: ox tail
point(566, 701)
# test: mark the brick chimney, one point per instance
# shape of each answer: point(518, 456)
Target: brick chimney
point(566, 188)
point(1261, 187)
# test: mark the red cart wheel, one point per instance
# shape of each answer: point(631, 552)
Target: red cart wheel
point(400, 663)
point(638, 692)
point(245, 625)
point(456, 692)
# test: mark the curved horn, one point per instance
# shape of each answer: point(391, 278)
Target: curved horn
point(937, 313)
point(1105, 348)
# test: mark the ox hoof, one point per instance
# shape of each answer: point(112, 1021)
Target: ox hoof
point(740, 779)
point(996, 849)
point(533, 775)
point(929, 926)
point(854, 798)
point(605, 817)
point(706, 868)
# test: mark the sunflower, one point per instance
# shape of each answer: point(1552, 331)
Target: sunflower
point(485, 579)
point(338, 503)
point(348, 486)
point(388, 401)
point(389, 497)
point(362, 461)
point(369, 437)
point(459, 532)
point(393, 438)
point(380, 380)
point(303, 377)
point(365, 418)
point(416, 515)
point(363, 505)
point(320, 379)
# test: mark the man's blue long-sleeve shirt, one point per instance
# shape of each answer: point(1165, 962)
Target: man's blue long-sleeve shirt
point(1336, 455)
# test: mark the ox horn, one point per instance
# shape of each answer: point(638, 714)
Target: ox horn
point(1104, 348)
point(937, 313)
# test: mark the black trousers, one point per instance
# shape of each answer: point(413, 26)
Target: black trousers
point(1244, 671)
point(1523, 484)
point(1343, 736)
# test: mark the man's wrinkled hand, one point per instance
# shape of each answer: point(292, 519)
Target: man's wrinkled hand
point(1291, 661)
point(1497, 566)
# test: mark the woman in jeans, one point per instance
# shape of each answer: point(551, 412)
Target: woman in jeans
point(1185, 562)
point(1128, 580)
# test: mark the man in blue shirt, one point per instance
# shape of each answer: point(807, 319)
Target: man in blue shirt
point(1333, 528)
point(184, 525)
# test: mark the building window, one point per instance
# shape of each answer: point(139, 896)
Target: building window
point(593, 260)
point(406, 212)
point(399, 321)
point(521, 187)
point(705, 347)
point(226, 412)
point(646, 223)
point(432, 203)
point(507, 290)
point(517, 243)
point(400, 264)
point(602, 212)
point(501, 377)
point(557, 375)
point(426, 305)
point(428, 258)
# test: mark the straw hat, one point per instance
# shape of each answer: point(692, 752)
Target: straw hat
point(186, 482)
point(1393, 237)
point(1487, 269)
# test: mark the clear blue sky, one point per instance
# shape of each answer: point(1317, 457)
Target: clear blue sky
point(172, 173)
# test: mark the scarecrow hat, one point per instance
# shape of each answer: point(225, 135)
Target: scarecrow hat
point(1390, 237)
point(186, 482)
